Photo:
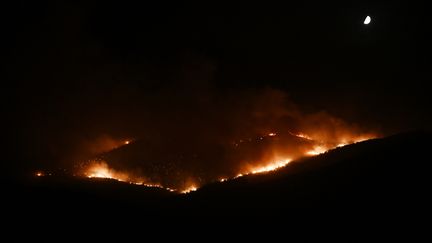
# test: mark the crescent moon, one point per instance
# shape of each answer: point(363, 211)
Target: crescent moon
point(367, 20)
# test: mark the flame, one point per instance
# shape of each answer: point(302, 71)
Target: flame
point(189, 186)
point(271, 167)
point(189, 189)
point(319, 149)
point(39, 174)
point(100, 169)
point(304, 136)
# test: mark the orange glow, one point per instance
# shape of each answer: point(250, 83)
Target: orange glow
point(189, 186)
point(100, 169)
point(317, 150)
point(363, 138)
point(270, 167)
point(104, 144)
point(39, 174)
point(278, 158)
point(302, 135)
point(189, 189)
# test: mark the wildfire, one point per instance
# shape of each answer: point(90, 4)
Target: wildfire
point(102, 173)
point(263, 169)
point(319, 149)
point(271, 167)
point(189, 189)
point(100, 169)
point(304, 136)
point(315, 146)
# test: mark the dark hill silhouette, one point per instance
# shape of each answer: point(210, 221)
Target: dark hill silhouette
point(375, 176)
point(372, 174)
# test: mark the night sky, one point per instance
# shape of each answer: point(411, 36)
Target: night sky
point(77, 71)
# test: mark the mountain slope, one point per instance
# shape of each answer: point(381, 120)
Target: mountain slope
point(373, 175)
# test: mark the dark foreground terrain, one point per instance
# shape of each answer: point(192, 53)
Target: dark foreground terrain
point(383, 179)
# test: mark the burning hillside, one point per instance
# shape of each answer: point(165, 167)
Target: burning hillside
point(182, 141)
point(139, 163)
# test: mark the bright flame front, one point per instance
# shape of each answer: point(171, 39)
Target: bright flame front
point(319, 149)
point(101, 170)
point(190, 189)
point(271, 167)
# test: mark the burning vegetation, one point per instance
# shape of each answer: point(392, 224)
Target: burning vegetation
point(193, 139)
point(284, 149)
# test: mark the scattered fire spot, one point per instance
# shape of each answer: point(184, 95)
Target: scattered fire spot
point(189, 189)
point(304, 136)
